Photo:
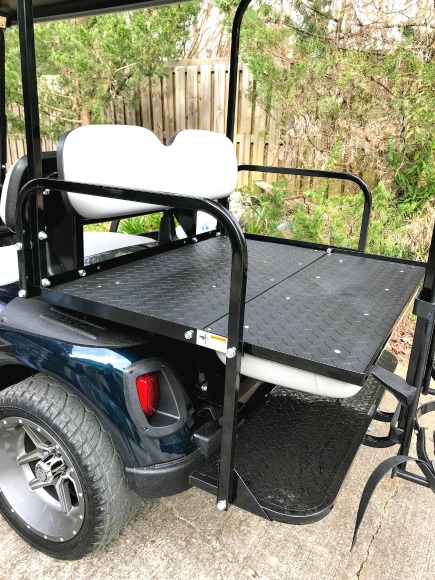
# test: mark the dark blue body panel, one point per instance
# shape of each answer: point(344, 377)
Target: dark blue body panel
point(96, 376)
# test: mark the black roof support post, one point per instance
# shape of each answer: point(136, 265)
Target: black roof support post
point(3, 118)
point(234, 67)
point(233, 76)
point(33, 139)
point(30, 87)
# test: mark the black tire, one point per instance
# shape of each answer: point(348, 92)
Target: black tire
point(107, 501)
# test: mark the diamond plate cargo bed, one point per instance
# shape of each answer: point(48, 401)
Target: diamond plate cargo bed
point(327, 312)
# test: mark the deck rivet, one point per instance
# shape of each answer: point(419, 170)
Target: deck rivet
point(287, 297)
point(231, 352)
point(246, 326)
point(188, 334)
point(22, 293)
point(366, 314)
point(82, 273)
point(221, 505)
point(337, 351)
point(18, 246)
point(45, 282)
point(387, 289)
point(42, 236)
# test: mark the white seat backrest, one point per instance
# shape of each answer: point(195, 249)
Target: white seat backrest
point(198, 163)
point(4, 194)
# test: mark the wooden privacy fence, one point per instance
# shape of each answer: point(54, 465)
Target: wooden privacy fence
point(194, 95)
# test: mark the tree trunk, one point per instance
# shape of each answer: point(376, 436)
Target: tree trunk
point(86, 117)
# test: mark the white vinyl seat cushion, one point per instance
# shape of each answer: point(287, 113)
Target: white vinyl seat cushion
point(98, 242)
point(197, 163)
point(94, 243)
point(292, 378)
point(8, 265)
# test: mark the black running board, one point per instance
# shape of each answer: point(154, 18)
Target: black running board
point(294, 451)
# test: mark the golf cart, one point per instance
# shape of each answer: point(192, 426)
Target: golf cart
point(136, 365)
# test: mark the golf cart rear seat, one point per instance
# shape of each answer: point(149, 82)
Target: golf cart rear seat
point(315, 318)
point(199, 163)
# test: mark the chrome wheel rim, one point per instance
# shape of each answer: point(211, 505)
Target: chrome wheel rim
point(38, 480)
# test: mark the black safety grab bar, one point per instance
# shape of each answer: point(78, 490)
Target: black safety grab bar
point(30, 268)
point(328, 175)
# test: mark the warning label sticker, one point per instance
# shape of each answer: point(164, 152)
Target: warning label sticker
point(213, 341)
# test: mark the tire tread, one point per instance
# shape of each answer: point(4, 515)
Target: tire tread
point(113, 502)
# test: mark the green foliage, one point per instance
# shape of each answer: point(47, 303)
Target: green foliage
point(264, 209)
point(335, 220)
point(140, 224)
point(86, 63)
point(375, 97)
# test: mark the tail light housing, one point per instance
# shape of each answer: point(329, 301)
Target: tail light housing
point(148, 392)
point(155, 398)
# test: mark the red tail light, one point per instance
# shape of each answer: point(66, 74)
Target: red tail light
point(148, 391)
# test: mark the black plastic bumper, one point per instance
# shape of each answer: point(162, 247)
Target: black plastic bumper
point(164, 479)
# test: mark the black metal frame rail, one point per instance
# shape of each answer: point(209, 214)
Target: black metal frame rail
point(328, 175)
point(32, 266)
point(420, 363)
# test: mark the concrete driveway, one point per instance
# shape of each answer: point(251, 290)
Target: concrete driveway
point(185, 537)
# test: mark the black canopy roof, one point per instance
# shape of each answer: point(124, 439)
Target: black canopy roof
point(55, 9)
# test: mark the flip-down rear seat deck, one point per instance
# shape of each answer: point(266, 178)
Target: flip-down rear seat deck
point(328, 312)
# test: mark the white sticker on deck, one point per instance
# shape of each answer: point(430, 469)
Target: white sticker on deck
point(213, 341)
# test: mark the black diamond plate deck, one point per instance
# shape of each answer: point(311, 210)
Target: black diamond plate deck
point(326, 313)
point(189, 285)
point(294, 450)
point(338, 311)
